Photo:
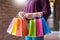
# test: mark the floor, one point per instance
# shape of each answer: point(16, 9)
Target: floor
point(55, 35)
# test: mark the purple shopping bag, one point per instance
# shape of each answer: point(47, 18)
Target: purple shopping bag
point(11, 26)
point(39, 28)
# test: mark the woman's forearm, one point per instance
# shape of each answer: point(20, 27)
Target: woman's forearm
point(33, 15)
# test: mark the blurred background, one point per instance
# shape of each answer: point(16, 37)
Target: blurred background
point(10, 8)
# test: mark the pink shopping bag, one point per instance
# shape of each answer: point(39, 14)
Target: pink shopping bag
point(39, 28)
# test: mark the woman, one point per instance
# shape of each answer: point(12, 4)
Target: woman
point(36, 8)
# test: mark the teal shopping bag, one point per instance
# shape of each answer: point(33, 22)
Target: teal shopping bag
point(46, 28)
point(32, 28)
point(34, 38)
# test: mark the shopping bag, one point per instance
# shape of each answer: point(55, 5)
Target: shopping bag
point(39, 28)
point(32, 28)
point(34, 38)
point(14, 27)
point(22, 29)
point(45, 26)
point(11, 26)
point(18, 27)
point(28, 38)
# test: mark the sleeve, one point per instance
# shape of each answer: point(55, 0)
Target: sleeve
point(45, 8)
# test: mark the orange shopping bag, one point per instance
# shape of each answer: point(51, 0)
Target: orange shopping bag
point(22, 29)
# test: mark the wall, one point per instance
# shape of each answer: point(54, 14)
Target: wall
point(7, 12)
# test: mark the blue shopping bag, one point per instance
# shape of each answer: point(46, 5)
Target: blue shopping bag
point(30, 38)
point(46, 28)
point(34, 38)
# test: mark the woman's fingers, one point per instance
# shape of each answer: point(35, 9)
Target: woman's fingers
point(33, 15)
point(29, 15)
point(21, 15)
point(39, 14)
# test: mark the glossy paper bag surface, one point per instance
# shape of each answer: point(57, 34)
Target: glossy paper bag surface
point(32, 28)
point(45, 27)
point(39, 28)
point(14, 27)
point(22, 29)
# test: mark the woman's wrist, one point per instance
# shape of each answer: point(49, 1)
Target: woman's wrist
point(38, 14)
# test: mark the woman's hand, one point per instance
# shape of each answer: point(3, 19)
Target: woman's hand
point(29, 15)
point(21, 15)
point(38, 14)
point(33, 15)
